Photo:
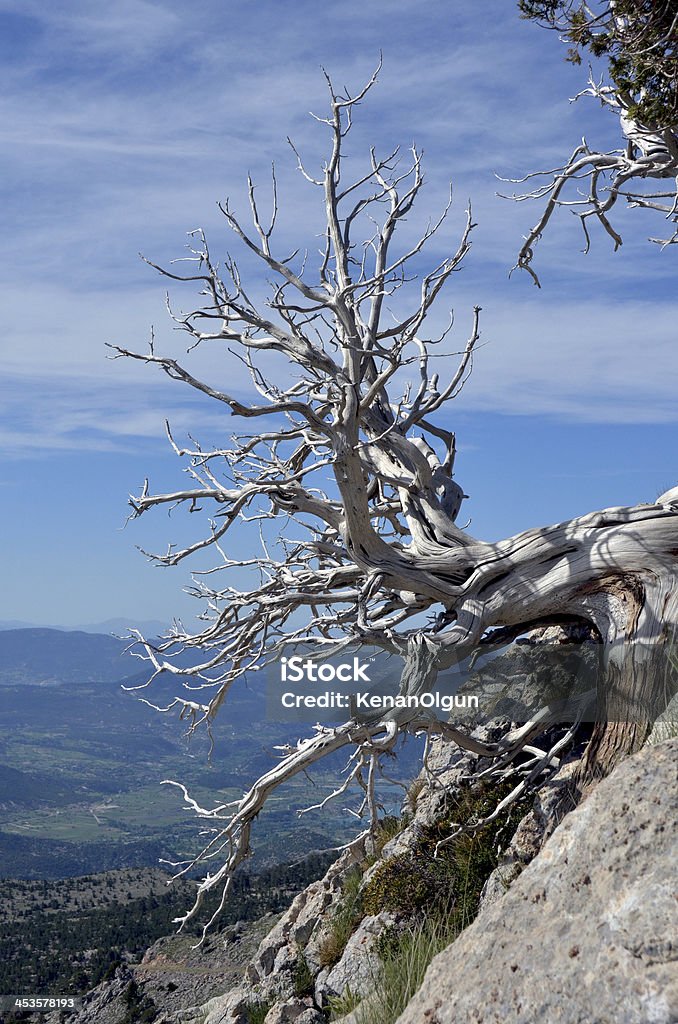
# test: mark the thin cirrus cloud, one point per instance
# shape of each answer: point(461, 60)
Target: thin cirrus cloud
point(582, 362)
point(123, 125)
point(592, 362)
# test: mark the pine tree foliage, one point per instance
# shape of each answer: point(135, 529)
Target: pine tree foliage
point(639, 41)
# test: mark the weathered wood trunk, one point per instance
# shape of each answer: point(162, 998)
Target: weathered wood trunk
point(634, 690)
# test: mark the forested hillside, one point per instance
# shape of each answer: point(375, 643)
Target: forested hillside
point(66, 936)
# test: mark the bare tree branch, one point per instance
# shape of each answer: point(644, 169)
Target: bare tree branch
point(648, 155)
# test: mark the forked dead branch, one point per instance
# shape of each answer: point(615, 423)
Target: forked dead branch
point(591, 182)
point(348, 480)
point(640, 90)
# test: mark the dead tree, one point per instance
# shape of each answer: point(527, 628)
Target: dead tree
point(349, 459)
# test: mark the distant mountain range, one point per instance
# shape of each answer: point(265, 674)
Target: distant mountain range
point(39, 656)
point(119, 626)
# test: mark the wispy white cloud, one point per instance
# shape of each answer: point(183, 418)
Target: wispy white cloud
point(122, 125)
point(598, 362)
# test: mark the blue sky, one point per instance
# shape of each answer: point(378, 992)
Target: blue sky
point(122, 125)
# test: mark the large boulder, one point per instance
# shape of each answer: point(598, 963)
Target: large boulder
point(588, 933)
point(358, 968)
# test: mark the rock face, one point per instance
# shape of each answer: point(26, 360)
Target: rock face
point(588, 933)
point(552, 802)
point(359, 965)
point(271, 978)
point(107, 1003)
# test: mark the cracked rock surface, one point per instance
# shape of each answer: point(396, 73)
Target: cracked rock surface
point(588, 933)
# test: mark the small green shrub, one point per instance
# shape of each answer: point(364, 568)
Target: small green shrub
point(401, 885)
point(417, 882)
point(139, 1008)
point(387, 829)
point(344, 922)
point(109, 973)
point(303, 980)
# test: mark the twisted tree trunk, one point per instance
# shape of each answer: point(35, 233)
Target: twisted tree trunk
point(616, 570)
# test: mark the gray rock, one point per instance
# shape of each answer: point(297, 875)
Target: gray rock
point(293, 1011)
point(359, 964)
point(666, 725)
point(231, 1008)
point(588, 934)
point(270, 976)
point(552, 802)
point(272, 968)
point(106, 1004)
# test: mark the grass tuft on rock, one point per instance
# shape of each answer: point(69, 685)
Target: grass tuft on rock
point(404, 957)
point(256, 1012)
point(303, 978)
point(344, 921)
point(341, 1006)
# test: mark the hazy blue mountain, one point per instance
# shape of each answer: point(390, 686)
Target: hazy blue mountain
point(42, 656)
point(118, 625)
